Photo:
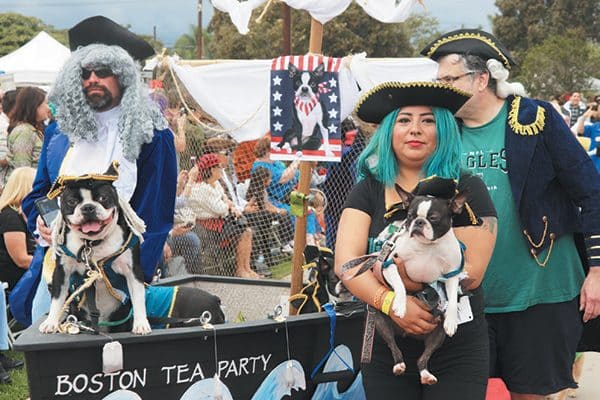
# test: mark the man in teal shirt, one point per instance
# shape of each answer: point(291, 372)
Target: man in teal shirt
point(545, 189)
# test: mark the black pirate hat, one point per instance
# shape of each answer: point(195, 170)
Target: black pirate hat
point(386, 97)
point(469, 41)
point(436, 186)
point(102, 30)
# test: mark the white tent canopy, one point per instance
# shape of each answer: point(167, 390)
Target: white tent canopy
point(37, 62)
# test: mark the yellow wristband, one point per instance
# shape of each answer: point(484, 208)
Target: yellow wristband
point(387, 302)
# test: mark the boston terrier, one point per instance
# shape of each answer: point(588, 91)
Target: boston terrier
point(426, 244)
point(310, 118)
point(99, 234)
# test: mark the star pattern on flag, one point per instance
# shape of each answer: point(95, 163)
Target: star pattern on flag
point(277, 81)
point(276, 96)
point(332, 82)
point(277, 112)
point(332, 128)
point(333, 98)
point(332, 113)
point(277, 126)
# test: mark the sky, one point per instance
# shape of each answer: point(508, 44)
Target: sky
point(172, 18)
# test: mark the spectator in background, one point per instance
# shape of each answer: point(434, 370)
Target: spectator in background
point(216, 213)
point(575, 108)
point(263, 213)
point(557, 103)
point(16, 249)
point(182, 240)
point(16, 243)
point(316, 206)
point(283, 179)
point(8, 102)
point(589, 129)
point(26, 128)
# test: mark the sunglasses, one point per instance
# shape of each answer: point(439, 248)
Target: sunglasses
point(100, 73)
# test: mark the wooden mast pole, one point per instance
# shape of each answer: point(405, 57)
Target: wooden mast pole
point(315, 47)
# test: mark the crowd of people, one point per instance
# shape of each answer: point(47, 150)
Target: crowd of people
point(532, 218)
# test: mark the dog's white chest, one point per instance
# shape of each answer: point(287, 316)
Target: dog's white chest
point(428, 262)
point(309, 121)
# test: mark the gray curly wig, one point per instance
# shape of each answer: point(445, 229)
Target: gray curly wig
point(139, 114)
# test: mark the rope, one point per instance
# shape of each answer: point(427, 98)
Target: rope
point(197, 120)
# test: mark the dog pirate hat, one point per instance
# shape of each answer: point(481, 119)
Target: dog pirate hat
point(102, 30)
point(111, 175)
point(469, 42)
point(386, 97)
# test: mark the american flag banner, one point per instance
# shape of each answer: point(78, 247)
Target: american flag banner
point(305, 108)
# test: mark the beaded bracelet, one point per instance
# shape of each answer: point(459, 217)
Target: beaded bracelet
point(387, 302)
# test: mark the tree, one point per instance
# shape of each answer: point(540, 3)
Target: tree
point(523, 24)
point(561, 64)
point(351, 32)
point(17, 29)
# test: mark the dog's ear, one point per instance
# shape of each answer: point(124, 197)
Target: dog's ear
point(458, 202)
point(293, 71)
point(405, 197)
point(318, 72)
point(113, 169)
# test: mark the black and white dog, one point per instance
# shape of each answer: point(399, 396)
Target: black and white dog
point(98, 232)
point(430, 251)
point(323, 284)
point(310, 118)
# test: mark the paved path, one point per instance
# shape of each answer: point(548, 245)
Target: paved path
point(589, 387)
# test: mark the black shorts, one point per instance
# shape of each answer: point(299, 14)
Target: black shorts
point(461, 366)
point(533, 350)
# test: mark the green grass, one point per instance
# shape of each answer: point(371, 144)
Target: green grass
point(281, 270)
point(18, 389)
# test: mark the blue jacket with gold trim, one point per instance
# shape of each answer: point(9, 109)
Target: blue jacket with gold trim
point(555, 184)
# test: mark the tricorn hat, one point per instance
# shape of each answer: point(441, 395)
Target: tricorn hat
point(469, 41)
point(386, 97)
point(102, 30)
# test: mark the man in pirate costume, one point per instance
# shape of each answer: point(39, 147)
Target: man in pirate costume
point(105, 114)
point(545, 189)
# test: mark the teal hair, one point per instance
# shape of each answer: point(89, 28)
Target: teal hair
point(378, 158)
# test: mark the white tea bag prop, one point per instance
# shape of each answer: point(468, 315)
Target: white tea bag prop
point(112, 357)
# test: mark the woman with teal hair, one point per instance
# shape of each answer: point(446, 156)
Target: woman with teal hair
point(417, 138)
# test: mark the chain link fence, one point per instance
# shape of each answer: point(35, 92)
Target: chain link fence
point(206, 238)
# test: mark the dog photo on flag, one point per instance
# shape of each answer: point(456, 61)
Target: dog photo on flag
point(305, 108)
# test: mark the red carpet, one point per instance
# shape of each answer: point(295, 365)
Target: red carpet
point(496, 390)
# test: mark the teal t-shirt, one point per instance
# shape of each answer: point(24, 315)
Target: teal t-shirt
point(513, 280)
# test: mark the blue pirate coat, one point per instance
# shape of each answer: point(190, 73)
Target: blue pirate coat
point(555, 184)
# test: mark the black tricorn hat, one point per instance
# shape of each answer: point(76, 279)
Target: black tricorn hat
point(386, 97)
point(469, 41)
point(102, 30)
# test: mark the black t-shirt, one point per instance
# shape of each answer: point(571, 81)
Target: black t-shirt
point(11, 221)
point(369, 196)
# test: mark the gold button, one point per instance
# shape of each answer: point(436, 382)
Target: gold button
point(545, 219)
point(552, 236)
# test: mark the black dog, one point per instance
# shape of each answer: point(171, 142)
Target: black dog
point(310, 118)
point(98, 236)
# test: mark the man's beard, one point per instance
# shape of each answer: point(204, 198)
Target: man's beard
point(99, 102)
